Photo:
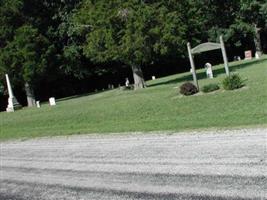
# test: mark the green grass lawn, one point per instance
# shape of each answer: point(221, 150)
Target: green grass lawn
point(158, 107)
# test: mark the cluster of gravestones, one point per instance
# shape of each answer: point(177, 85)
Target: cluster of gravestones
point(13, 104)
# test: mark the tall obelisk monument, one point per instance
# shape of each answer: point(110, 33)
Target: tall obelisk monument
point(13, 104)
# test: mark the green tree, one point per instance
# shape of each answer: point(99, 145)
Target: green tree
point(33, 40)
point(239, 20)
point(253, 12)
point(25, 58)
point(10, 19)
point(132, 32)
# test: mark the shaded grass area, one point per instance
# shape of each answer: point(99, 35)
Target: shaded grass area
point(158, 107)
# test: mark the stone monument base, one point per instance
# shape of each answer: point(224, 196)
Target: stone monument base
point(13, 105)
point(12, 109)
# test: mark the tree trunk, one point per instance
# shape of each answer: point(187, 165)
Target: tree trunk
point(30, 95)
point(257, 41)
point(139, 81)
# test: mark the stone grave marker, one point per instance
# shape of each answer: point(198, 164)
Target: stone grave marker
point(209, 71)
point(127, 82)
point(257, 56)
point(248, 55)
point(52, 101)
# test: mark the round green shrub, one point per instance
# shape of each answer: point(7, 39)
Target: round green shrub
point(232, 82)
point(210, 87)
point(188, 89)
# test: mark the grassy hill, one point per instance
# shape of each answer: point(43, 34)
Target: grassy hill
point(158, 107)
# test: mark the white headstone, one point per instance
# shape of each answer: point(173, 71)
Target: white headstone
point(237, 58)
point(257, 55)
point(52, 101)
point(209, 72)
point(153, 77)
point(127, 83)
point(13, 104)
point(38, 104)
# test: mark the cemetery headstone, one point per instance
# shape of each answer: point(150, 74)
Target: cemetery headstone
point(127, 82)
point(38, 104)
point(257, 56)
point(237, 58)
point(52, 101)
point(209, 71)
point(248, 55)
point(153, 77)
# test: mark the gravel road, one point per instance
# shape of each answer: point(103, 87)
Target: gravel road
point(228, 164)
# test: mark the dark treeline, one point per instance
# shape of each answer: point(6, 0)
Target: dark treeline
point(68, 47)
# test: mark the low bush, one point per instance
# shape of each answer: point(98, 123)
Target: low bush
point(232, 82)
point(210, 87)
point(188, 89)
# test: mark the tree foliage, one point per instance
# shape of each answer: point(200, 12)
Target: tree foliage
point(135, 33)
point(26, 55)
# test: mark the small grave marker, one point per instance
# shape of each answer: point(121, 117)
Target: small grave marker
point(209, 71)
point(127, 82)
point(257, 56)
point(52, 101)
point(237, 58)
point(248, 55)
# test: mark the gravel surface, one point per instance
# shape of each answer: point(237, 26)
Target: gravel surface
point(197, 165)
